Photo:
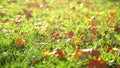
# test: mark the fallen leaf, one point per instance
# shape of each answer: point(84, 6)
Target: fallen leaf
point(60, 53)
point(1, 14)
point(83, 37)
point(17, 21)
point(5, 20)
point(72, 7)
point(35, 61)
point(112, 16)
point(55, 35)
point(95, 53)
point(69, 34)
point(109, 48)
point(20, 41)
point(76, 40)
point(78, 53)
point(79, 1)
point(33, 4)
point(97, 64)
point(92, 38)
point(117, 28)
point(28, 13)
point(46, 53)
point(117, 66)
point(93, 23)
point(94, 31)
point(44, 2)
point(16, 31)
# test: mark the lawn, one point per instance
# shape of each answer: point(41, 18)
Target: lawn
point(59, 33)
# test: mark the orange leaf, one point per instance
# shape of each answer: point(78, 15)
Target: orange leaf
point(1, 14)
point(112, 16)
point(46, 53)
point(93, 23)
point(33, 4)
point(79, 1)
point(20, 42)
point(83, 37)
point(92, 38)
point(43, 1)
point(5, 20)
point(78, 53)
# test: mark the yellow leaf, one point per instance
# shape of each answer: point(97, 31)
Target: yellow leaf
point(76, 40)
point(51, 20)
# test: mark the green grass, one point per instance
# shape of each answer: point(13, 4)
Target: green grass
point(57, 16)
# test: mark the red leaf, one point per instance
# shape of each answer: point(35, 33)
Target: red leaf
point(97, 64)
point(118, 66)
point(109, 48)
point(95, 53)
point(69, 34)
point(60, 53)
